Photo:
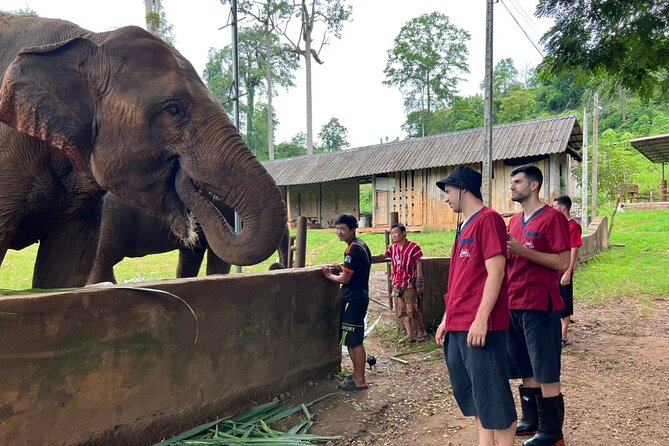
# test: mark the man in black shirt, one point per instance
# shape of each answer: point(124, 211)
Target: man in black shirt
point(353, 275)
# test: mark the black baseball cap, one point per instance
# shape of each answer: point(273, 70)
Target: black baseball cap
point(464, 177)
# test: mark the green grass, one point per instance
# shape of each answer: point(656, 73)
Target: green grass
point(322, 247)
point(638, 271)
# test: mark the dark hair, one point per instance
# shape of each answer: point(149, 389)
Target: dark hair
point(402, 228)
point(564, 200)
point(532, 173)
point(348, 220)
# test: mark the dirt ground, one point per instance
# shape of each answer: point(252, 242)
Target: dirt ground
point(615, 379)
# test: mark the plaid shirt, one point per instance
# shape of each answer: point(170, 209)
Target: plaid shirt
point(403, 260)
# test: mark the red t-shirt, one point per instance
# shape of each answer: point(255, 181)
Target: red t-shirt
point(574, 234)
point(482, 237)
point(403, 260)
point(530, 284)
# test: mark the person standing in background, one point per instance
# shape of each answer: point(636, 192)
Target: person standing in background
point(407, 280)
point(538, 247)
point(563, 205)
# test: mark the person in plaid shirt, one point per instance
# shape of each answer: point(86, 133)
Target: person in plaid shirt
point(407, 279)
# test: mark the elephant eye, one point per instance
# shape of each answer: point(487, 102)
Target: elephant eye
point(175, 110)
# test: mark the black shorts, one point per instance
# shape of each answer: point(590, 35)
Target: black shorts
point(352, 322)
point(480, 378)
point(567, 293)
point(534, 345)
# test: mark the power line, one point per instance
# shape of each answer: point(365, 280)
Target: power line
point(528, 19)
point(523, 30)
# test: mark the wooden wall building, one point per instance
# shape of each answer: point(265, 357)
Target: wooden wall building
point(403, 174)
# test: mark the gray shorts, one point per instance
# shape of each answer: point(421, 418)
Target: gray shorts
point(533, 345)
point(480, 378)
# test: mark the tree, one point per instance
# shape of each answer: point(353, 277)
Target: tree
point(463, 113)
point(518, 105)
point(330, 16)
point(252, 68)
point(616, 169)
point(259, 140)
point(217, 79)
point(504, 78)
point(429, 55)
point(333, 136)
point(156, 21)
point(268, 13)
point(295, 147)
point(625, 39)
point(558, 92)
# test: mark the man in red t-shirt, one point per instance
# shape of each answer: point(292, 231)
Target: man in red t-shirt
point(473, 330)
point(538, 247)
point(563, 205)
point(407, 279)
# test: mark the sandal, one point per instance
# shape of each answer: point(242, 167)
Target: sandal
point(566, 342)
point(349, 386)
point(421, 337)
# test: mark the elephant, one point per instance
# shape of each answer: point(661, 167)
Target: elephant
point(128, 231)
point(82, 113)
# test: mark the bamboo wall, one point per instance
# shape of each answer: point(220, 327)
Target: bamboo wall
point(322, 203)
point(415, 196)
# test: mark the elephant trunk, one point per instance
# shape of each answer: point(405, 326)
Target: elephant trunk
point(232, 174)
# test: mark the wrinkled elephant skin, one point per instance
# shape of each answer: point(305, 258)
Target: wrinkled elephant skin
point(82, 113)
point(128, 231)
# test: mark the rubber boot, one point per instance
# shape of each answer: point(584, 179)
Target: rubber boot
point(529, 422)
point(551, 417)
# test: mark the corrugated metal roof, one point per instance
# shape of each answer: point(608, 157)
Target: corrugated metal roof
point(655, 148)
point(519, 139)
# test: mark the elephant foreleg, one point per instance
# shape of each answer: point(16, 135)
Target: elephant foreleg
point(190, 261)
point(215, 265)
point(103, 268)
point(283, 247)
point(65, 256)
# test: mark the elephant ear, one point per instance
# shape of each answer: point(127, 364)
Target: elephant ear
point(45, 93)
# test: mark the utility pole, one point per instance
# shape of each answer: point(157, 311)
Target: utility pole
point(584, 175)
point(595, 137)
point(235, 89)
point(487, 123)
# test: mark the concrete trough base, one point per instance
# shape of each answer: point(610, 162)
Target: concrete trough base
point(111, 366)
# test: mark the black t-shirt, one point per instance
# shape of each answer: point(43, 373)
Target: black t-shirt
point(357, 261)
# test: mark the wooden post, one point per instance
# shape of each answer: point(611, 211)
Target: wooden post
point(301, 241)
point(291, 251)
point(595, 156)
point(663, 186)
point(394, 219)
point(584, 173)
point(487, 167)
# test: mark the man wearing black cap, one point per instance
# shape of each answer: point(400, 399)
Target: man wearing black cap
point(473, 330)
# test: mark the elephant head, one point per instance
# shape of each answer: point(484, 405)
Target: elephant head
point(131, 110)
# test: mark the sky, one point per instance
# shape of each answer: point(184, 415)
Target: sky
point(349, 84)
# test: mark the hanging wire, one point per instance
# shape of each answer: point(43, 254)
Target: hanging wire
point(527, 18)
point(523, 29)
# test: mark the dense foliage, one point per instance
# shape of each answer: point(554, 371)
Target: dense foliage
point(333, 137)
point(427, 60)
point(623, 39)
